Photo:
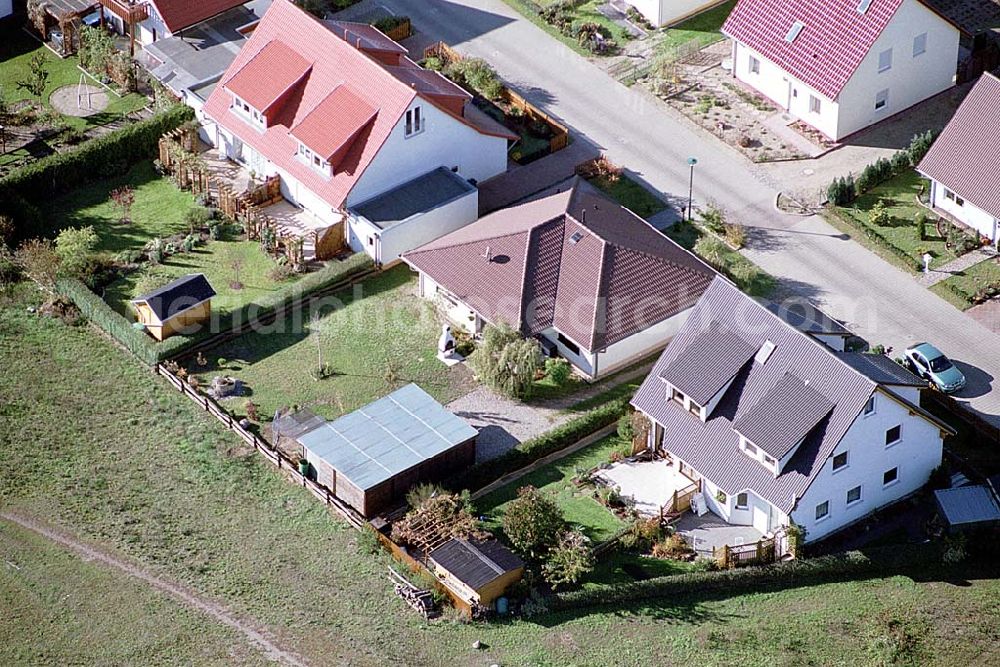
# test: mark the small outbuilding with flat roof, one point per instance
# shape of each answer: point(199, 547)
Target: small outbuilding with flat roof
point(371, 457)
point(412, 214)
point(967, 507)
point(478, 571)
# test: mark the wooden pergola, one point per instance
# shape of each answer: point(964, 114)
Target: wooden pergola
point(131, 12)
point(65, 15)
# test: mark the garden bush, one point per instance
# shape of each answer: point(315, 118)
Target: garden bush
point(842, 191)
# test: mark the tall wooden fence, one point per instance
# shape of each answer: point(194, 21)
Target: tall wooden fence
point(762, 552)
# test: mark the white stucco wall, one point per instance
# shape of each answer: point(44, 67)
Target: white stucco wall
point(916, 454)
point(640, 344)
point(145, 34)
point(459, 314)
point(968, 213)
point(910, 80)
point(413, 232)
point(444, 141)
point(668, 12)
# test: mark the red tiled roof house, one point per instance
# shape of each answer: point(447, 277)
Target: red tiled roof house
point(162, 18)
point(595, 283)
point(343, 116)
point(964, 163)
point(842, 65)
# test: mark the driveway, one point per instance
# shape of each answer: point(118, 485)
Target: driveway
point(880, 302)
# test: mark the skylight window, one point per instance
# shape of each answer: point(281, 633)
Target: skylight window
point(764, 353)
point(863, 6)
point(576, 237)
point(794, 31)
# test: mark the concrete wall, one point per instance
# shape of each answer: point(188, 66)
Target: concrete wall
point(916, 454)
point(911, 78)
point(414, 232)
point(444, 141)
point(967, 213)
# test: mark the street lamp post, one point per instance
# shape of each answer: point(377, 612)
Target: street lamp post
point(692, 161)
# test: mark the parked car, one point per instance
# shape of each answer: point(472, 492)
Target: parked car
point(930, 363)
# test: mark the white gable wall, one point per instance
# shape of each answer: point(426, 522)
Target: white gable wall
point(967, 213)
point(153, 28)
point(916, 454)
point(444, 141)
point(911, 79)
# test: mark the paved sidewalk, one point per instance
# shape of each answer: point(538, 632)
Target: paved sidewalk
point(966, 261)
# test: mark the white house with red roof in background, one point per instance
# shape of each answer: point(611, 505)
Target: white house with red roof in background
point(344, 117)
point(964, 162)
point(842, 65)
point(165, 18)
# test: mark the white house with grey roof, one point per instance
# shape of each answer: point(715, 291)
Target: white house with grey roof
point(777, 427)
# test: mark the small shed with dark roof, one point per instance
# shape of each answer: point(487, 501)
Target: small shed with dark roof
point(175, 307)
point(478, 571)
point(968, 506)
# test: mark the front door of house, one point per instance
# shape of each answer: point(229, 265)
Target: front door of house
point(760, 518)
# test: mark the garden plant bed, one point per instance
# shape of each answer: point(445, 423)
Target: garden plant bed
point(373, 344)
point(535, 136)
point(971, 286)
point(748, 276)
point(630, 194)
point(585, 11)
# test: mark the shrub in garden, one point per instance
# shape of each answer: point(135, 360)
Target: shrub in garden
point(38, 260)
point(569, 559)
point(197, 217)
point(155, 250)
point(280, 272)
point(75, 247)
point(712, 250)
point(842, 191)
point(532, 522)
point(506, 362)
point(477, 75)
point(626, 431)
point(736, 234)
point(921, 222)
point(714, 218)
point(900, 162)
point(878, 216)
point(189, 242)
point(123, 198)
point(919, 145)
point(673, 546)
point(558, 371)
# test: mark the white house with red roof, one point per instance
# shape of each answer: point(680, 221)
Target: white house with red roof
point(343, 116)
point(592, 281)
point(963, 165)
point(670, 12)
point(842, 65)
point(165, 18)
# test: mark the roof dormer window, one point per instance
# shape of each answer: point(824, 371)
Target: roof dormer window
point(248, 112)
point(313, 159)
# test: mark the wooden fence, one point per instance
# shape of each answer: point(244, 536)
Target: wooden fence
point(401, 31)
point(560, 133)
point(762, 552)
point(265, 448)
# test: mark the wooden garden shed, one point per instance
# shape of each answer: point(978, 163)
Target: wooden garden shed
point(371, 457)
point(478, 571)
point(176, 306)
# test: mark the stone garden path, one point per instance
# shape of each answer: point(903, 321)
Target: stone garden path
point(966, 261)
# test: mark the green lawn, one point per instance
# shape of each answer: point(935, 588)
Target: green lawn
point(98, 446)
point(374, 344)
point(748, 276)
point(899, 195)
point(554, 479)
point(16, 49)
point(584, 12)
point(968, 282)
point(158, 211)
point(631, 195)
point(215, 260)
point(703, 28)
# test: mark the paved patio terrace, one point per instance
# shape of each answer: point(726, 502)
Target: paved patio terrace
point(650, 483)
point(706, 532)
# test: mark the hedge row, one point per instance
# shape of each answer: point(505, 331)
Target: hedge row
point(878, 239)
point(111, 154)
point(151, 352)
point(809, 571)
point(844, 190)
point(531, 450)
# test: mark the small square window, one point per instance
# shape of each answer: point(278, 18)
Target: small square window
point(823, 510)
point(769, 461)
point(893, 435)
point(890, 477)
point(721, 497)
point(676, 395)
point(754, 65)
point(881, 99)
point(854, 495)
point(885, 60)
point(870, 405)
point(919, 44)
point(840, 461)
point(742, 501)
point(750, 447)
point(814, 104)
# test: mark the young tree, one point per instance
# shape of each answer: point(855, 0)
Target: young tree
point(532, 522)
point(506, 362)
point(38, 260)
point(37, 77)
point(75, 247)
point(569, 559)
point(236, 265)
point(123, 198)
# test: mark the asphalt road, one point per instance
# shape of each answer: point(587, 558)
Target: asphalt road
point(879, 302)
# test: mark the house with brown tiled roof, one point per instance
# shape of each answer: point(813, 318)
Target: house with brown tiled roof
point(963, 165)
point(773, 426)
point(595, 283)
point(840, 66)
point(341, 114)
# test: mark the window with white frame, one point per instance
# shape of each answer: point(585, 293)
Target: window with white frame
point(919, 44)
point(948, 194)
point(870, 406)
point(854, 495)
point(414, 122)
point(885, 60)
point(248, 112)
point(754, 65)
point(814, 104)
point(839, 461)
point(750, 448)
point(893, 435)
point(890, 477)
point(742, 501)
point(676, 395)
point(823, 510)
point(881, 99)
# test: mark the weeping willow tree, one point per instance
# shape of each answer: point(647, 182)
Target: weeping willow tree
point(506, 362)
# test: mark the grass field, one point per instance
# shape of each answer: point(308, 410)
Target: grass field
point(703, 28)
point(968, 281)
point(16, 50)
point(374, 344)
point(158, 211)
point(631, 195)
point(94, 444)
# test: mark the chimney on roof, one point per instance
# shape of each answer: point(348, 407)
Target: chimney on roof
point(487, 255)
point(359, 44)
point(583, 215)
